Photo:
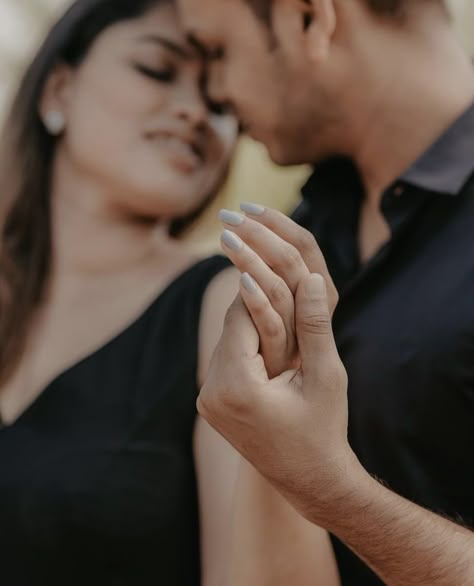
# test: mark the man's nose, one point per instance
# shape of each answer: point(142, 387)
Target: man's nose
point(215, 83)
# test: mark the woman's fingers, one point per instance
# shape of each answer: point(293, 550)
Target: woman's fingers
point(274, 287)
point(269, 325)
point(283, 258)
point(279, 351)
point(302, 240)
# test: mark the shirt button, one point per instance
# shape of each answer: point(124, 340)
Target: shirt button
point(398, 190)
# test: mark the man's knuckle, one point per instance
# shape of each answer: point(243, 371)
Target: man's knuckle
point(333, 295)
point(343, 376)
point(234, 401)
point(316, 324)
point(220, 400)
point(337, 370)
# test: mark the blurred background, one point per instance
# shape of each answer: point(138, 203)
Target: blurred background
point(253, 176)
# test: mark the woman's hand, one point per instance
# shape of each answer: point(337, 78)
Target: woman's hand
point(274, 255)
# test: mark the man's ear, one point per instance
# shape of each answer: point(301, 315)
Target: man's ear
point(306, 24)
point(320, 23)
point(56, 91)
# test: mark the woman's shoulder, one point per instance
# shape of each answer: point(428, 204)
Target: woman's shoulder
point(191, 279)
point(217, 298)
point(181, 330)
point(195, 299)
point(218, 295)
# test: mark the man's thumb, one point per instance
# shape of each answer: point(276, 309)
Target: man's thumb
point(313, 322)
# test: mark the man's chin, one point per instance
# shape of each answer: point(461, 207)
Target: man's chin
point(282, 154)
point(279, 151)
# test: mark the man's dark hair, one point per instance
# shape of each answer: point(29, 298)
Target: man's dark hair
point(392, 8)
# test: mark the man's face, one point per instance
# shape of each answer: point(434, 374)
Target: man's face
point(266, 85)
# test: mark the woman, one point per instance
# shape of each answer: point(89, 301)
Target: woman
point(107, 322)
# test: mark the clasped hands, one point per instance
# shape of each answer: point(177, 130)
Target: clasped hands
point(276, 388)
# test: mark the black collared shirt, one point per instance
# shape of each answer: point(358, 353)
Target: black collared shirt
point(405, 325)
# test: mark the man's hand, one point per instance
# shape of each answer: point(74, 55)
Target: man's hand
point(291, 423)
point(293, 427)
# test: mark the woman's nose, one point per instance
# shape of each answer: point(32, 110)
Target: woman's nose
point(191, 107)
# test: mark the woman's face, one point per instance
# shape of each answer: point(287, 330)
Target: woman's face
point(137, 122)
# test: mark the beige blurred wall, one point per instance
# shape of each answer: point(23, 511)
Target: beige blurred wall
point(253, 176)
point(463, 13)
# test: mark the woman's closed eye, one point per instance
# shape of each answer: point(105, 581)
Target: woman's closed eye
point(164, 75)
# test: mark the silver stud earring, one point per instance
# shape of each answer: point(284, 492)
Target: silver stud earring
point(54, 122)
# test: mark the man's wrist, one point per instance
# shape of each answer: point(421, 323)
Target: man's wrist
point(349, 489)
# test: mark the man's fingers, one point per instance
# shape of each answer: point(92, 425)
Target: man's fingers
point(299, 238)
point(235, 359)
point(313, 328)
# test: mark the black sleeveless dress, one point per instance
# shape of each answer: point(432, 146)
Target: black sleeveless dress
point(97, 480)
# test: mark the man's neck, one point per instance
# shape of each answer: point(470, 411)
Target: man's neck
point(417, 102)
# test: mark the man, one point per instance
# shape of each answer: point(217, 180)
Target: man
point(380, 96)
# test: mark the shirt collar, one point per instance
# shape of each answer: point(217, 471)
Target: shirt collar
point(444, 168)
point(449, 162)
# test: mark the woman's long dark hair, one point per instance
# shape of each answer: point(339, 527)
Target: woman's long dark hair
point(26, 152)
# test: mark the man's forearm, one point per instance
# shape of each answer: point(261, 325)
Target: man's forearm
point(403, 543)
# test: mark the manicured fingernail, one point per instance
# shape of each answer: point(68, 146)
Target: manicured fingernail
point(248, 283)
point(252, 208)
point(231, 240)
point(315, 287)
point(231, 218)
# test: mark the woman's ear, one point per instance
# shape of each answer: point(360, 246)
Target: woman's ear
point(54, 100)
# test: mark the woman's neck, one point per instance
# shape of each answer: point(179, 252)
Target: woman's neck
point(92, 236)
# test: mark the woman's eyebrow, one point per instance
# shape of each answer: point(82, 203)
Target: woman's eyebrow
point(175, 47)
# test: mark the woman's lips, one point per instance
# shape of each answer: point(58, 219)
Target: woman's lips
point(182, 151)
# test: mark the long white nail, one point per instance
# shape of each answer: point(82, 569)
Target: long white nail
point(252, 208)
point(248, 283)
point(231, 240)
point(231, 218)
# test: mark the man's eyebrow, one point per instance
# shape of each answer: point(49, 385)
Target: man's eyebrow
point(197, 44)
point(173, 46)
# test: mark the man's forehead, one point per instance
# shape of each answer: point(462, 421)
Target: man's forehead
point(203, 15)
point(200, 11)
